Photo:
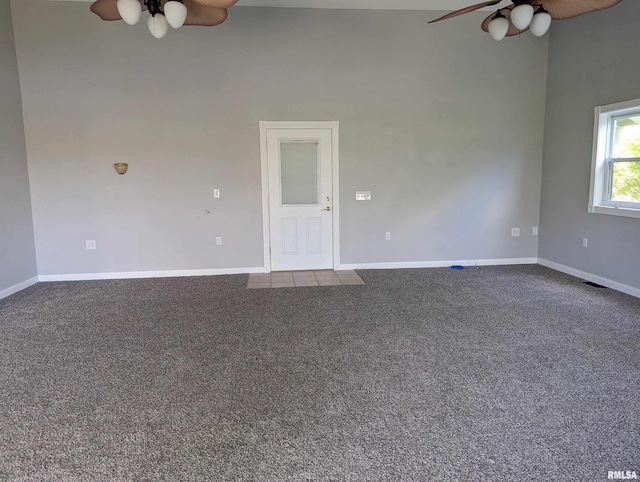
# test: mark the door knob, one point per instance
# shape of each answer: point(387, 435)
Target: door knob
point(328, 208)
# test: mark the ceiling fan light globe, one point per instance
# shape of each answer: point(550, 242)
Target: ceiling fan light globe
point(175, 13)
point(498, 28)
point(521, 16)
point(130, 11)
point(540, 24)
point(158, 26)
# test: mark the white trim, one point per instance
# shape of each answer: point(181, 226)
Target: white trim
point(439, 264)
point(298, 125)
point(19, 287)
point(630, 290)
point(609, 283)
point(599, 141)
point(335, 161)
point(264, 172)
point(615, 211)
point(621, 107)
point(148, 274)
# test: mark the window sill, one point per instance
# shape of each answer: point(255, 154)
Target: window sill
point(615, 211)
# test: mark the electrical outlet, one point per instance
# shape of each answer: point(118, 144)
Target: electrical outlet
point(219, 241)
point(585, 242)
point(90, 244)
point(534, 231)
point(387, 236)
point(515, 231)
point(216, 193)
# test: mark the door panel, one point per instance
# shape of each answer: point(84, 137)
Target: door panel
point(314, 235)
point(300, 194)
point(289, 236)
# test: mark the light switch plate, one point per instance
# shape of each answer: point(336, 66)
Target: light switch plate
point(216, 193)
point(363, 195)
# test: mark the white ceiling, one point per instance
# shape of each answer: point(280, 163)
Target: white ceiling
point(358, 4)
point(363, 4)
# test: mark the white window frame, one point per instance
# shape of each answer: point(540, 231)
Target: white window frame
point(600, 192)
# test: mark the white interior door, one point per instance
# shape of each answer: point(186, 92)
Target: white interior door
point(300, 199)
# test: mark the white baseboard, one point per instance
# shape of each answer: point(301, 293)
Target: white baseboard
point(630, 290)
point(149, 274)
point(19, 287)
point(609, 283)
point(262, 269)
point(439, 264)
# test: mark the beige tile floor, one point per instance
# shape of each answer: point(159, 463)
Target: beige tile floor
point(291, 279)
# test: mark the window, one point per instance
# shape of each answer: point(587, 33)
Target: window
point(299, 172)
point(615, 175)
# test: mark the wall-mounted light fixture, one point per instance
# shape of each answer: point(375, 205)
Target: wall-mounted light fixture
point(121, 167)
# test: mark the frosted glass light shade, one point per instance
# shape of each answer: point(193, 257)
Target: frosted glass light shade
point(498, 28)
point(540, 24)
point(521, 16)
point(175, 13)
point(158, 26)
point(129, 10)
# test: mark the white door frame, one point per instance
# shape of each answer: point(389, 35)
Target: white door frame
point(266, 237)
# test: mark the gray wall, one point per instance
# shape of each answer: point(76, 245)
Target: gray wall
point(593, 60)
point(442, 124)
point(17, 251)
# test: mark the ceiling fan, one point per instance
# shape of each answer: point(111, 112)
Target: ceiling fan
point(164, 13)
point(534, 15)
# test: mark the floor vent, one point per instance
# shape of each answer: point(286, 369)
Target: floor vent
point(595, 285)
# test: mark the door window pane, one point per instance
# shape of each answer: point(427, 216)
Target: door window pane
point(299, 172)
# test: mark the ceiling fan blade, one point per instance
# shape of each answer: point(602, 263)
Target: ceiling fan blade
point(210, 3)
point(507, 13)
point(471, 8)
point(563, 9)
point(202, 15)
point(107, 9)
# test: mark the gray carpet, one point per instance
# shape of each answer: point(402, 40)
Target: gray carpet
point(499, 373)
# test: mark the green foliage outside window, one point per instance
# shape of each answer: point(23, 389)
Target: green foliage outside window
point(626, 175)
